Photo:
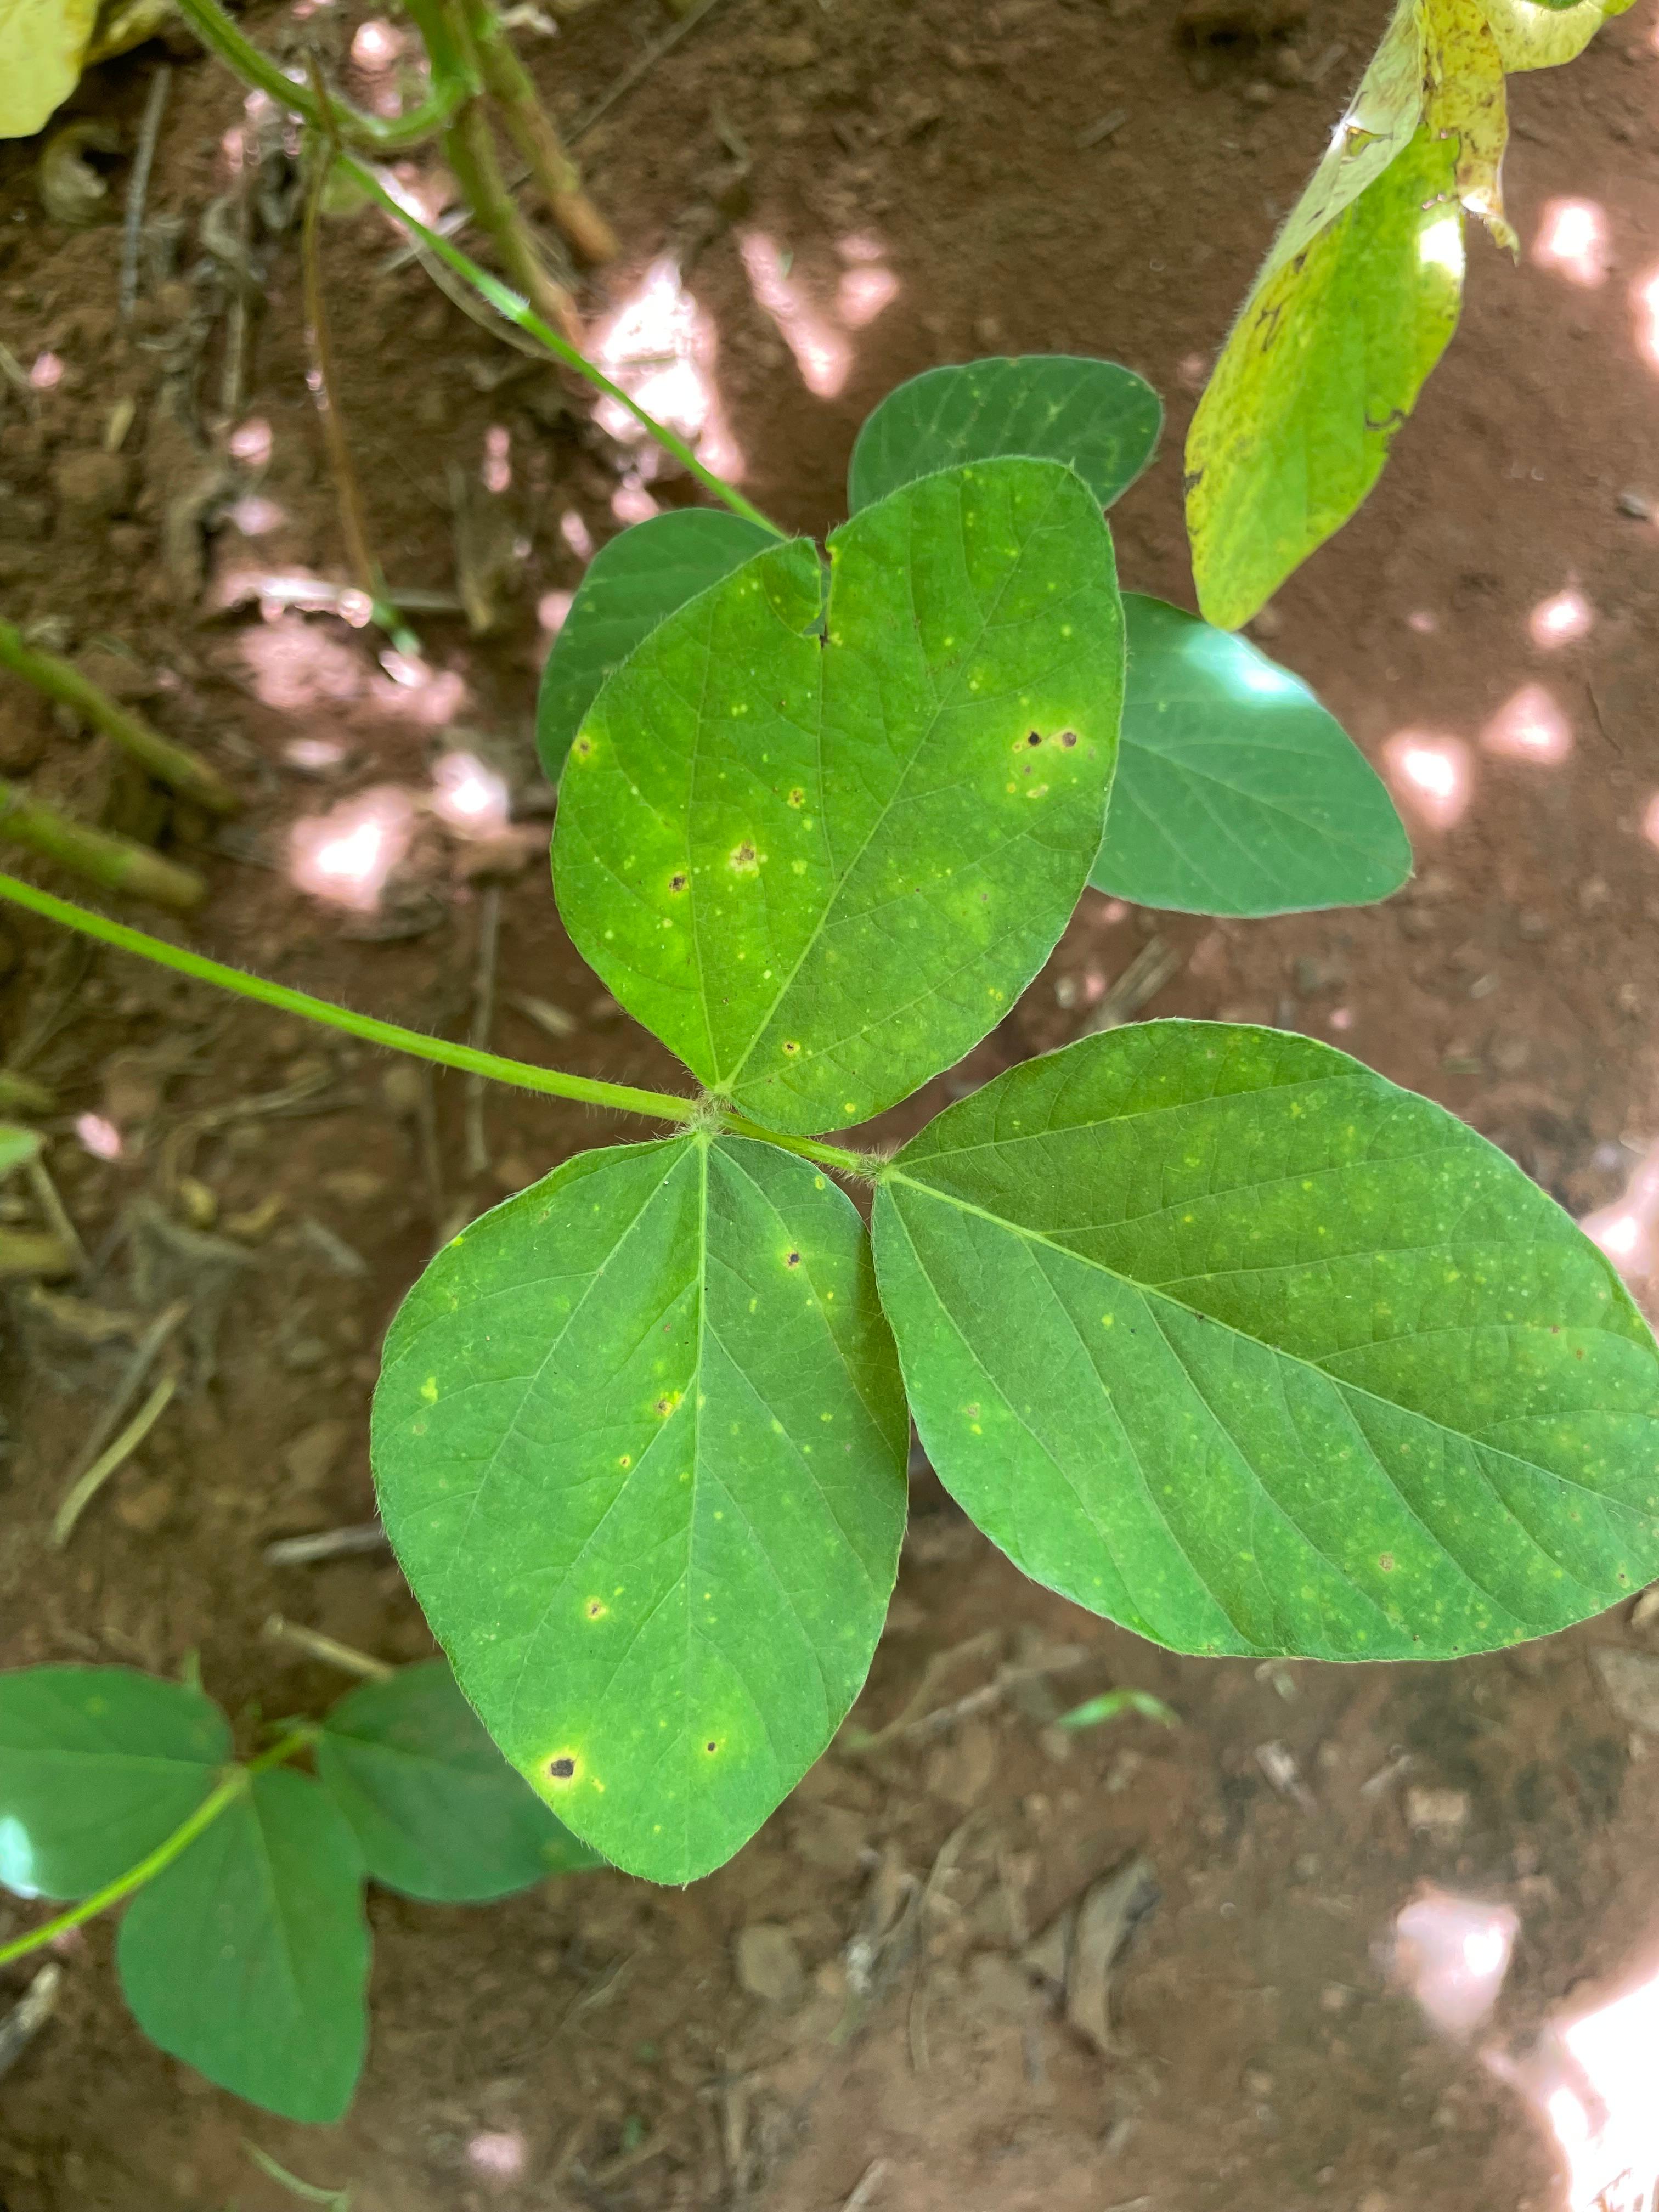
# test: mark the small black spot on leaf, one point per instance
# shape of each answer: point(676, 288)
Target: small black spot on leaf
point(561, 1769)
point(793, 1260)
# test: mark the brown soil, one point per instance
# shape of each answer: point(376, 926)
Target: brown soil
point(1261, 2062)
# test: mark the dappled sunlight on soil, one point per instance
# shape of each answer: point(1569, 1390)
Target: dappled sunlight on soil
point(1562, 620)
point(1572, 239)
point(1529, 726)
point(659, 347)
point(1625, 1230)
point(1452, 1953)
point(1432, 776)
point(1594, 2081)
point(345, 855)
point(823, 354)
point(469, 796)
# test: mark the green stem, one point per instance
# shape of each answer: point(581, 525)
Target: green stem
point(115, 863)
point(470, 151)
point(864, 1165)
point(225, 1792)
point(622, 1098)
point(176, 766)
point(509, 304)
point(218, 31)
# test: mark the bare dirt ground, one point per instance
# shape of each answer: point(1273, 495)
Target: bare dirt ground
point(1032, 175)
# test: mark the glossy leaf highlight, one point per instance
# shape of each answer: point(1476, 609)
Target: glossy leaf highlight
point(640, 1441)
point(822, 868)
point(1236, 793)
point(1222, 1335)
point(98, 1766)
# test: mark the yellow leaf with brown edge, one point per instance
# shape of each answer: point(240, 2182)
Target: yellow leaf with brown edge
point(43, 44)
point(1531, 37)
point(1464, 99)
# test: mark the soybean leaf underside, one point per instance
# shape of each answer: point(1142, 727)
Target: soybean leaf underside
point(248, 1956)
point(1236, 793)
point(1099, 419)
point(435, 1808)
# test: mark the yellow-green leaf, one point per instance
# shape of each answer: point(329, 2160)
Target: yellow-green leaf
point(42, 44)
point(1379, 124)
point(1324, 366)
point(1464, 101)
point(1532, 37)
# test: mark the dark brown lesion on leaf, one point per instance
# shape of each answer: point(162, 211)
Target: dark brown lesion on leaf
point(561, 1768)
point(676, 882)
point(745, 857)
point(793, 1260)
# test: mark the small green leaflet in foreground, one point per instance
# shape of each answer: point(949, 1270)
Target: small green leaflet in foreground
point(248, 1956)
point(98, 1764)
point(1100, 420)
point(1112, 1704)
point(17, 1146)
point(1324, 366)
point(1220, 1334)
point(438, 1812)
point(856, 850)
point(640, 577)
point(1236, 793)
point(641, 1444)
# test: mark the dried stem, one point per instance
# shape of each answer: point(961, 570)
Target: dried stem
point(107, 1462)
point(116, 863)
point(531, 130)
point(354, 524)
point(174, 765)
point(470, 150)
point(132, 227)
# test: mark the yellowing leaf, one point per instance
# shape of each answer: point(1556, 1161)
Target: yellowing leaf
point(1464, 99)
point(1380, 121)
point(1324, 366)
point(1531, 37)
point(42, 44)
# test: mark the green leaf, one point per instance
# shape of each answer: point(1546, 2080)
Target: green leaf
point(1100, 420)
point(1322, 368)
point(16, 1146)
point(1236, 793)
point(98, 1764)
point(437, 1810)
point(641, 1447)
point(1222, 1335)
point(636, 582)
point(858, 849)
point(248, 1956)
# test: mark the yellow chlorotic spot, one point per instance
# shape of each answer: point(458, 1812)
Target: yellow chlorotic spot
point(666, 1405)
point(596, 1608)
point(798, 796)
point(744, 859)
point(626, 1461)
point(430, 1389)
point(1106, 1320)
